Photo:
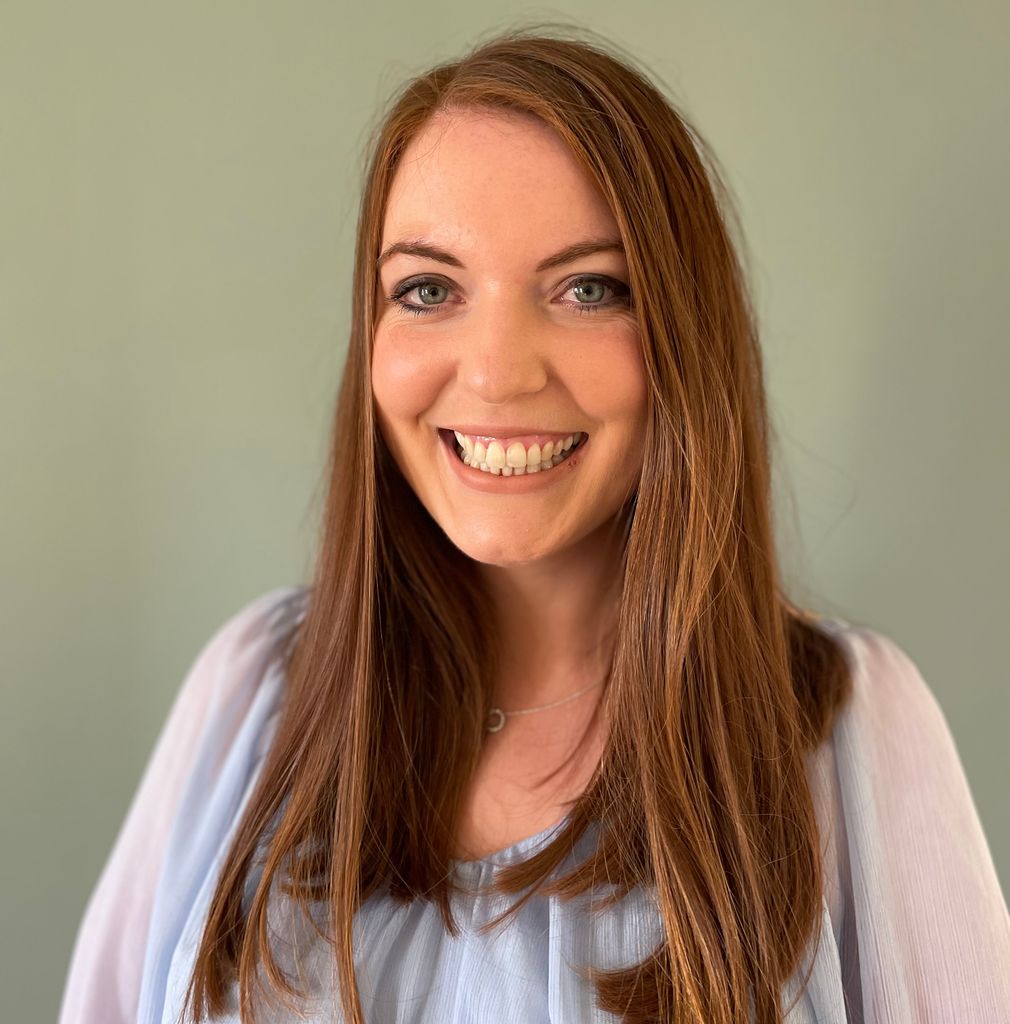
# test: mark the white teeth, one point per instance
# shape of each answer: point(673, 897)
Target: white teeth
point(517, 460)
point(516, 455)
point(495, 456)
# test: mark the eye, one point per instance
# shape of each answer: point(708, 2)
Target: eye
point(591, 291)
point(432, 294)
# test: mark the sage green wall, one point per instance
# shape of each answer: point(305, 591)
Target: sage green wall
point(179, 188)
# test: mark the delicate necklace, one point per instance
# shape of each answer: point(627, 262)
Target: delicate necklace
point(496, 717)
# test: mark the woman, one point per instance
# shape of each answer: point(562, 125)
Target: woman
point(545, 740)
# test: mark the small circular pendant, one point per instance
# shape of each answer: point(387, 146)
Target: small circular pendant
point(495, 720)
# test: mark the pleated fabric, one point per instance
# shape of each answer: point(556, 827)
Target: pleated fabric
point(915, 927)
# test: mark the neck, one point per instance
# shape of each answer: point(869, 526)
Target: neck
point(556, 619)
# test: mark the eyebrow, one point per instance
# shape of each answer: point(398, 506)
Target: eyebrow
point(418, 247)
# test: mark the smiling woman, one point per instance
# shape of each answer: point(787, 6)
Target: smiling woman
point(545, 740)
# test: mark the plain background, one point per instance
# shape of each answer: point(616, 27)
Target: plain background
point(180, 186)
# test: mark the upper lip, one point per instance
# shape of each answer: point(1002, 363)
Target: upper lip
point(506, 431)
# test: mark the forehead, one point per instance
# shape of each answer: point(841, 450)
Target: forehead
point(474, 177)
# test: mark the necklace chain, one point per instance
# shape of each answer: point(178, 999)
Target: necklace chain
point(496, 717)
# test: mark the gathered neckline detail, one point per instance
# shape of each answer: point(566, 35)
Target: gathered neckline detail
point(508, 854)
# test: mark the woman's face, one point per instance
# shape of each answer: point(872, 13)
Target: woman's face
point(517, 336)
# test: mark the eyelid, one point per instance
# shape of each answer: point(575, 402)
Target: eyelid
point(415, 280)
point(621, 299)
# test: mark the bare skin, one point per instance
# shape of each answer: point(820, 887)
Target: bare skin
point(501, 343)
point(507, 800)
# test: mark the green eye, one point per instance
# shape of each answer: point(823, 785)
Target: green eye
point(595, 289)
point(431, 293)
point(591, 290)
point(424, 290)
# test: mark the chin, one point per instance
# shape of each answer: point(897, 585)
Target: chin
point(504, 550)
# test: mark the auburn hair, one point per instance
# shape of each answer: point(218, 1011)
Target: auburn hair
point(718, 684)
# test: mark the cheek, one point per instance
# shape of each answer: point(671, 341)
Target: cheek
point(405, 378)
point(611, 383)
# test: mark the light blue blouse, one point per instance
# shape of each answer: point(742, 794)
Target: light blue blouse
point(914, 925)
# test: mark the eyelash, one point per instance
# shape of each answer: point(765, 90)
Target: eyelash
point(623, 294)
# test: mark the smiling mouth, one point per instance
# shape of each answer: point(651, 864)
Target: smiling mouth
point(516, 460)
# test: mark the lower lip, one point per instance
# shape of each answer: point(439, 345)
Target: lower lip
point(489, 483)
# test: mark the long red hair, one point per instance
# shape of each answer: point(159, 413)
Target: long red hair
point(718, 687)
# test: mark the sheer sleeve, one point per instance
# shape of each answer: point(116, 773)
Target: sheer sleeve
point(925, 932)
point(104, 978)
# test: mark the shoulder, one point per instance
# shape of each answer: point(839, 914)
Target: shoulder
point(900, 785)
point(219, 733)
point(899, 768)
point(234, 678)
point(920, 922)
point(257, 633)
point(890, 722)
point(889, 691)
point(896, 765)
point(262, 623)
point(186, 799)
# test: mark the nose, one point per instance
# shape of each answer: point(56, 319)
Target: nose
point(503, 350)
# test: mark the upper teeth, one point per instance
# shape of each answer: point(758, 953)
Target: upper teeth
point(517, 458)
